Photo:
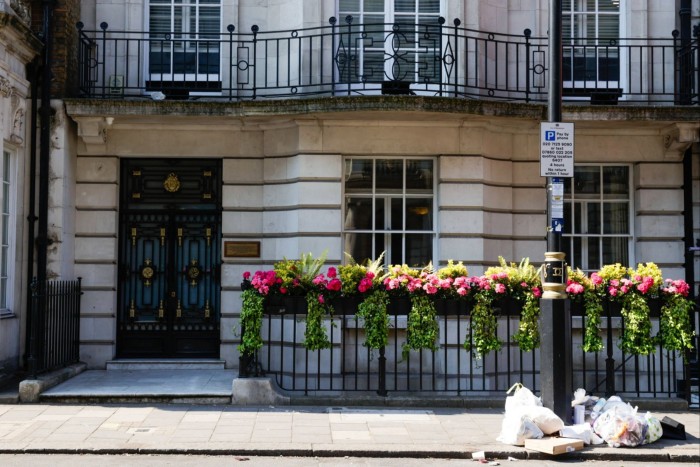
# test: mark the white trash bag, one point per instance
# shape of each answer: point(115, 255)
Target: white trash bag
point(523, 411)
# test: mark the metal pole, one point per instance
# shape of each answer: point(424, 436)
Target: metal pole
point(555, 317)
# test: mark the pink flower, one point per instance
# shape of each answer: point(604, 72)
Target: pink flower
point(615, 283)
point(536, 292)
point(319, 280)
point(364, 285)
point(332, 272)
point(334, 285)
point(574, 288)
point(321, 299)
point(500, 288)
point(369, 275)
point(283, 290)
point(597, 280)
point(612, 291)
point(246, 275)
point(462, 291)
point(430, 288)
point(624, 289)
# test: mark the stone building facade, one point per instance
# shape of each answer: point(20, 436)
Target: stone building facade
point(290, 178)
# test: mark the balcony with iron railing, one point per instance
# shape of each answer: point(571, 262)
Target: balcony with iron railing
point(347, 59)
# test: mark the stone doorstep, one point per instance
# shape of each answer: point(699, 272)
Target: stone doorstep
point(166, 364)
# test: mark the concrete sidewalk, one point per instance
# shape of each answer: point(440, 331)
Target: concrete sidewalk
point(297, 431)
point(132, 411)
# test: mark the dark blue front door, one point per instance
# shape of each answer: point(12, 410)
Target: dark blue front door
point(169, 287)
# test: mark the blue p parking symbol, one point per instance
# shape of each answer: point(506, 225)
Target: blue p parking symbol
point(550, 135)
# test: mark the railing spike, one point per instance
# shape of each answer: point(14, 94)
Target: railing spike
point(79, 25)
point(104, 25)
point(348, 19)
point(230, 28)
point(255, 28)
point(527, 32)
point(456, 22)
point(332, 20)
point(675, 33)
point(441, 20)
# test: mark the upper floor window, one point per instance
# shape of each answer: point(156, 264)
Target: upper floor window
point(590, 34)
point(5, 236)
point(184, 40)
point(390, 207)
point(597, 210)
point(391, 40)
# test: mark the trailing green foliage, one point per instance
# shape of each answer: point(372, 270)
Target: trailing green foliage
point(251, 322)
point(422, 327)
point(372, 310)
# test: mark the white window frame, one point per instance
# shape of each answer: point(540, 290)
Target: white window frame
point(390, 15)
point(183, 76)
point(8, 206)
point(374, 194)
point(568, 81)
point(571, 200)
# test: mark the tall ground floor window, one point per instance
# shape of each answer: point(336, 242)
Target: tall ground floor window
point(6, 204)
point(389, 206)
point(597, 212)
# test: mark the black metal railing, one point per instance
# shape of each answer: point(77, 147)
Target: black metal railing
point(348, 366)
point(360, 59)
point(54, 325)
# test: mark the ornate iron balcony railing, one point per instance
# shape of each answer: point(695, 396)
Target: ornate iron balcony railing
point(363, 59)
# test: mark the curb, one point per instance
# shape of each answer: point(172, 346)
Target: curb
point(622, 455)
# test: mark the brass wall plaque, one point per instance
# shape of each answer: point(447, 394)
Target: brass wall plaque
point(242, 249)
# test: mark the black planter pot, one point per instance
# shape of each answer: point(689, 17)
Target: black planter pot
point(450, 307)
point(296, 304)
point(399, 306)
point(343, 306)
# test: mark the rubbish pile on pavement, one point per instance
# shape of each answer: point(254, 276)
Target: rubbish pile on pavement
point(596, 421)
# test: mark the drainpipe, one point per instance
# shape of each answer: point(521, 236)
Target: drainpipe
point(33, 70)
point(686, 70)
point(690, 246)
point(42, 240)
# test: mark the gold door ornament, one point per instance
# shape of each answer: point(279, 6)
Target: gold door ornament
point(172, 183)
point(147, 272)
point(193, 272)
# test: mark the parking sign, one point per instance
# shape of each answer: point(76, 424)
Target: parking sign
point(556, 149)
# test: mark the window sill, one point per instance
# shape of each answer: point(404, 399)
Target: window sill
point(7, 314)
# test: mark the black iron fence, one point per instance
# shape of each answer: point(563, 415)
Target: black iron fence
point(345, 58)
point(54, 324)
point(349, 366)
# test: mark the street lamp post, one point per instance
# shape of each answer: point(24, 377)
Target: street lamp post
point(555, 317)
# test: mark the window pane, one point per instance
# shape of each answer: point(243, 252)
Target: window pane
point(567, 217)
point(397, 214)
point(593, 218)
point(616, 218)
point(429, 6)
point(616, 182)
point(608, 28)
point(389, 175)
point(405, 6)
point(358, 214)
point(615, 250)
point(359, 246)
point(586, 181)
point(374, 5)
point(577, 222)
point(419, 214)
point(419, 176)
point(419, 249)
point(349, 5)
point(593, 255)
point(396, 248)
point(609, 5)
point(577, 259)
point(380, 221)
point(358, 175)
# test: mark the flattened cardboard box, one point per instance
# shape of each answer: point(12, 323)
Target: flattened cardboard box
point(554, 445)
